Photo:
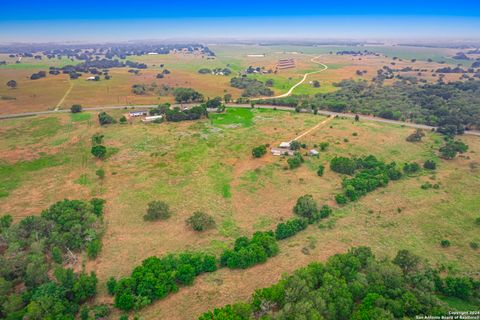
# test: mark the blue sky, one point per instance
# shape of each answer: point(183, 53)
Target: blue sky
point(120, 20)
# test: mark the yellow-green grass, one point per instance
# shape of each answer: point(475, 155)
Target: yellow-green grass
point(207, 165)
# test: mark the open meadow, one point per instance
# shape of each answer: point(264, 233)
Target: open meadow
point(60, 92)
point(207, 165)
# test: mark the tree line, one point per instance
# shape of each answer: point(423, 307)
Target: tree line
point(355, 285)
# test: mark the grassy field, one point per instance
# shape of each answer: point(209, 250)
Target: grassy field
point(207, 165)
point(47, 93)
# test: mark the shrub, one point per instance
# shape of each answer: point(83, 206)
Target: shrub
point(341, 199)
point(157, 210)
point(259, 151)
point(474, 245)
point(111, 285)
point(122, 119)
point(320, 170)
point(100, 173)
point(291, 227)
point(200, 221)
point(323, 146)
point(101, 311)
point(477, 221)
point(57, 255)
point(416, 136)
point(295, 145)
point(93, 248)
point(325, 211)
point(76, 108)
point(99, 151)
point(97, 138)
point(430, 165)
point(307, 208)
point(411, 167)
point(445, 243)
point(5, 221)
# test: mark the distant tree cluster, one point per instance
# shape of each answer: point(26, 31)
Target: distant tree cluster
point(453, 106)
point(200, 221)
point(38, 75)
point(290, 228)
point(295, 161)
point(186, 95)
point(248, 252)
point(251, 87)
point(307, 208)
point(157, 277)
point(104, 118)
point(358, 286)
point(193, 113)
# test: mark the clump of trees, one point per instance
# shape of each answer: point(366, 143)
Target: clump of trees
point(429, 165)
point(306, 207)
point(248, 252)
point(355, 285)
point(259, 151)
point(38, 75)
point(372, 174)
point(295, 161)
point(33, 249)
point(99, 151)
point(157, 210)
point(193, 113)
point(200, 221)
point(185, 95)
point(157, 277)
point(104, 118)
point(452, 148)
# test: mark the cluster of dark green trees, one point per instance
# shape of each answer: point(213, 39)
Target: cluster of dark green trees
point(248, 252)
point(372, 174)
point(295, 161)
point(452, 107)
point(259, 151)
point(193, 113)
point(356, 286)
point(157, 277)
point(251, 87)
point(36, 245)
point(290, 228)
point(452, 148)
point(185, 95)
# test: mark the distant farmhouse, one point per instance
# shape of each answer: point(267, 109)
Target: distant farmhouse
point(140, 113)
point(285, 64)
point(283, 149)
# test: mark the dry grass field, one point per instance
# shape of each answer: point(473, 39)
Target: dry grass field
point(47, 93)
point(206, 165)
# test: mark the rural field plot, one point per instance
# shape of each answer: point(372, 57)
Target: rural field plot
point(52, 91)
point(207, 165)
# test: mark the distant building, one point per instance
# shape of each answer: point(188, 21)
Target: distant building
point(281, 152)
point(137, 113)
point(285, 64)
point(151, 118)
point(91, 79)
point(313, 152)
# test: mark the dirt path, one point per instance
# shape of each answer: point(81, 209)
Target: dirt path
point(64, 96)
point(305, 76)
point(313, 128)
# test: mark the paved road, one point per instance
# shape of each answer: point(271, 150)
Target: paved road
point(321, 112)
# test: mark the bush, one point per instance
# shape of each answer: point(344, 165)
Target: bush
point(104, 118)
point(76, 108)
point(325, 211)
point(341, 199)
point(259, 151)
point(445, 243)
point(122, 119)
point(411, 167)
point(57, 255)
point(451, 148)
point(99, 151)
point(477, 221)
point(430, 165)
point(200, 221)
point(320, 170)
point(323, 146)
point(111, 285)
point(474, 245)
point(290, 228)
point(157, 210)
point(101, 311)
point(93, 248)
point(307, 208)
point(100, 173)
point(295, 145)
point(5, 222)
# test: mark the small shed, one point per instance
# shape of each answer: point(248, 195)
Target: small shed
point(151, 118)
point(284, 145)
point(313, 152)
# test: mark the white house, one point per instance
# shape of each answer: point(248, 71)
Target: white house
point(91, 79)
point(151, 118)
point(137, 113)
point(313, 152)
